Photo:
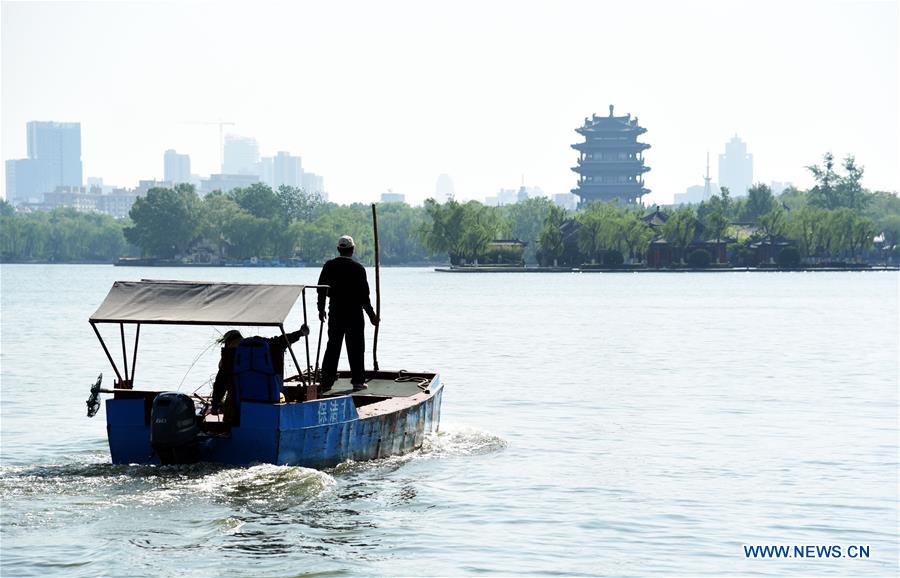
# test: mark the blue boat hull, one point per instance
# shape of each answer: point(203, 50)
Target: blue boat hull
point(315, 434)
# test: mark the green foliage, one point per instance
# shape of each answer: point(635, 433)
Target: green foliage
point(612, 227)
point(550, 237)
point(680, 228)
point(636, 235)
point(594, 234)
point(805, 226)
point(883, 209)
point(824, 195)
point(481, 225)
point(165, 221)
point(526, 220)
point(397, 226)
point(699, 258)
point(713, 215)
point(260, 201)
point(846, 232)
point(461, 231)
point(794, 198)
point(759, 202)
point(443, 230)
point(789, 258)
point(890, 228)
point(591, 233)
point(833, 191)
point(61, 235)
point(317, 240)
point(774, 223)
point(298, 205)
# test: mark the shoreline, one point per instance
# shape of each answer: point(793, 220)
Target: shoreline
point(492, 269)
point(648, 270)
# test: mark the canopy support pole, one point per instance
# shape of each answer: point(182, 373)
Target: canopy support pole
point(137, 336)
point(124, 353)
point(297, 365)
point(106, 351)
point(306, 337)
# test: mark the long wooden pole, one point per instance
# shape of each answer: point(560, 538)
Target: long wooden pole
point(377, 289)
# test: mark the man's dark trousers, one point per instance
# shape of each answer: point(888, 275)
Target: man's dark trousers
point(345, 325)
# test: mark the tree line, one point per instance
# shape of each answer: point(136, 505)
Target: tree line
point(836, 219)
point(60, 236)
point(258, 221)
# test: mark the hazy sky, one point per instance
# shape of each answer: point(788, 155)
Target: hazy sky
point(389, 94)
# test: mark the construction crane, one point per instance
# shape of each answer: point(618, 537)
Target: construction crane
point(222, 124)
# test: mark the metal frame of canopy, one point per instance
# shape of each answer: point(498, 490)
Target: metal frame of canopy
point(274, 320)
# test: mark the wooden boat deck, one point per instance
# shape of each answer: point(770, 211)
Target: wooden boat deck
point(378, 387)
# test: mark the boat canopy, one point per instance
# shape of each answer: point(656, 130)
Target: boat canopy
point(197, 303)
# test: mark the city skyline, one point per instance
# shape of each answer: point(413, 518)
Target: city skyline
point(242, 165)
point(54, 160)
point(417, 103)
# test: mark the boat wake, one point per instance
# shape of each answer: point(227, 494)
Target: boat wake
point(451, 442)
point(102, 485)
point(89, 482)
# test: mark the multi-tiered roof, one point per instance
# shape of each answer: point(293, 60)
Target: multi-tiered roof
point(611, 163)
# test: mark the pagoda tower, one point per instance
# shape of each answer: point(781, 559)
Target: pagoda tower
point(611, 160)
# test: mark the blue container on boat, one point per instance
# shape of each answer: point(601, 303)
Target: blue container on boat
point(254, 375)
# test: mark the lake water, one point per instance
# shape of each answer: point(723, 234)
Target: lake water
point(592, 424)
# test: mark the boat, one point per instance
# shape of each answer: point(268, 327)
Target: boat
point(277, 420)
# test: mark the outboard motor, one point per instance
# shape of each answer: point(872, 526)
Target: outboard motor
point(174, 428)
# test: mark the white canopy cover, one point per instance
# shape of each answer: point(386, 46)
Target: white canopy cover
point(196, 303)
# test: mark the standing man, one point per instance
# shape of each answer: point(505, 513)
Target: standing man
point(348, 297)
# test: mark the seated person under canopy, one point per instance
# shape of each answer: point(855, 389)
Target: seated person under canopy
point(224, 382)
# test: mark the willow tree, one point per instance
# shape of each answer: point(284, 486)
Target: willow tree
point(805, 226)
point(594, 223)
point(480, 226)
point(442, 231)
point(636, 235)
point(680, 228)
point(550, 237)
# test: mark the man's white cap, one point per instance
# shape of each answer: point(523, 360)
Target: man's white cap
point(346, 242)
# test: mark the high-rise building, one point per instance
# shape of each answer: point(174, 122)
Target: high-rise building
point(286, 170)
point(779, 187)
point(177, 167)
point(313, 183)
point(240, 156)
point(567, 201)
point(226, 183)
point(54, 160)
point(265, 170)
point(696, 194)
point(443, 188)
point(611, 160)
point(392, 197)
point(22, 180)
point(736, 167)
point(503, 197)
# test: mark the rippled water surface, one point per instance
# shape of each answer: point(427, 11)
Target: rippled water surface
point(621, 425)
